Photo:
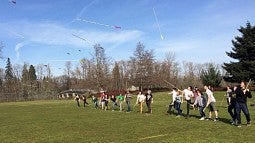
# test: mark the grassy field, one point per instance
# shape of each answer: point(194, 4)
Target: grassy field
point(62, 121)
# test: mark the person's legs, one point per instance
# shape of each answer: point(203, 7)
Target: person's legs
point(141, 107)
point(170, 106)
point(103, 104)
point(188, 106)
point(78, 103)
point(238, 112)
point(120, 105)
point(246, 112)
point(96, 105)
point(230, 111)
point(113, 106)
point(128, 105)
point(148, 106)
point(201, 112)
point(178, 108)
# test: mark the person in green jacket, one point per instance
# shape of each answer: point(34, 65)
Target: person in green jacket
point(120, 99)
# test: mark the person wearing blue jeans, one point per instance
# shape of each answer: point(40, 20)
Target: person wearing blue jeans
point(178, 101)
point(127, 99)
point(200, 102)
point(241, 103)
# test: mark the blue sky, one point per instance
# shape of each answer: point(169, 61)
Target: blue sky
point(41, 31)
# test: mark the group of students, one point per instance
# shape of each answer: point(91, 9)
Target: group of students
point(83, 98)
point(236, 99)
point(117, 101)
point(201, 101)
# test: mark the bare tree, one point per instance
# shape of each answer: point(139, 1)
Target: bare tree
point(68, 68)
point(124, 74)
point(17, 71)
point(142, 66)
point(102, 64)
point(48, 70)
point(116, 77)
point(40, 71)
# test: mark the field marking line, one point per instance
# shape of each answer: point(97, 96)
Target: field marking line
point(150, 137)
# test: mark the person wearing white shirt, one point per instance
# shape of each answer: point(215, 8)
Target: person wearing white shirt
point(188, 93)
point(140, 100)
point(172, 103)
point(211, 103)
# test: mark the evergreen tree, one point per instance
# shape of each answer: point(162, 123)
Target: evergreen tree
point(244, 54)
point(9, 77)
point(211, 76)
point(8, 71)
point(32, 74)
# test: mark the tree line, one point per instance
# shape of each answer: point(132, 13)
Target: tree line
point(142, 70)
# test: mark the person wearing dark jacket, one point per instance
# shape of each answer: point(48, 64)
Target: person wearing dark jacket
point(232, 107)
point(149, 100)
point(241, 103)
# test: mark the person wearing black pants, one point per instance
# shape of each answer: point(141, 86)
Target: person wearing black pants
point(77, 99)
point(84, 101)
point(241, 103)
point(149, 100)
point(231, 107)
point(172, 103)
point(188, 93)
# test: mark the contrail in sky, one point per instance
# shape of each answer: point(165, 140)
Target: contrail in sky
point(17, 48)
point(82, 11)
point(158, 24)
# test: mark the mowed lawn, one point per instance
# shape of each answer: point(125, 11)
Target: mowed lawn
point(62, 121)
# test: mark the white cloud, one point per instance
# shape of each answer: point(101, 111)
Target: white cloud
point(55, 34)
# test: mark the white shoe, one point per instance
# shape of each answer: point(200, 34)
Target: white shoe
point(202, 118)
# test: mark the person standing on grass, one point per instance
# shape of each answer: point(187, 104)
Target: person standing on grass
point(127, 99)
point(102, 100)
point(232, 106)
point(211, 103)
point(120, 99)
point(188, 93)
point(195, 93)
point(95, 101)
point(242, 92)
point(84, 100)
point(229, 92)
point(114, 102)
point(200, 102)
point(172, 103)
point(140, 100)
point(77, 99)
point(149, 101)
point(178, 102)
point(106, 101)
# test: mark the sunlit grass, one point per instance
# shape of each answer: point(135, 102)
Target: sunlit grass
point(63, 121)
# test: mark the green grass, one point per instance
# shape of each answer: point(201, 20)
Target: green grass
point(62, 121)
